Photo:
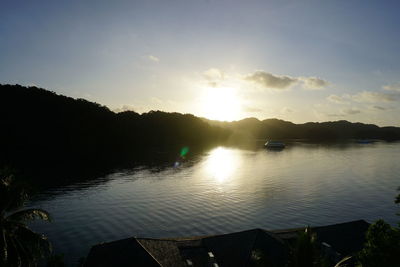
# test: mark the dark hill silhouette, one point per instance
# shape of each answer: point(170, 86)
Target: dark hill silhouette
point(45, 132)
point(48, 132)
point(252, 128)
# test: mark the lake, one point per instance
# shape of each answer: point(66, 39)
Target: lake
point(225, 190)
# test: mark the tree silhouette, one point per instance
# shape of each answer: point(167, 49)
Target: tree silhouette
point(19, 246)
point(306, 251)
point(382, 247)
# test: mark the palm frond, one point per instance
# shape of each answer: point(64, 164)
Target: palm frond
point(19, 246)
point(14, 258)
point(37, 244)
point(11, 196)
point(24, 253)
point(29, 215)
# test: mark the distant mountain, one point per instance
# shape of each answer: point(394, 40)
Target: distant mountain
point(41, 130)
point(252, 128)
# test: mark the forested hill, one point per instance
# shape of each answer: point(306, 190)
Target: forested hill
point(252, 128)
point(43, 130)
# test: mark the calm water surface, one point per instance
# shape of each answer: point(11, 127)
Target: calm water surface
point(226, 190)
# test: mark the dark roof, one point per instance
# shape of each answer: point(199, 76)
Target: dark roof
point(125, 252)
point(235, 249)
point(239, 249)
point(247, 248)
point(345, 238)
point(165, 251)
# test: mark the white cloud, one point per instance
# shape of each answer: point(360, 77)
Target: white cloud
point(341, 113)
point(373, 97)
point(338, 99)
point(269, 80)
point(286, 110)
point(350, 111)
point(155, 100)
point(392, 87)
point(124, 108)
point(313, 83)
point(153, 58)
point(213, 74)
point(214, 77)
point(251, 109)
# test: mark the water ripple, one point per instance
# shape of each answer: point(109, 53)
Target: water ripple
point(226, 190)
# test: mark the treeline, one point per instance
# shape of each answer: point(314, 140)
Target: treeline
point(252, 128)
point(43, 131)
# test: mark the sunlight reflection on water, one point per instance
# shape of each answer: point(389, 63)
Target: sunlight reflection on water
point(227, 190)
point(221, 164)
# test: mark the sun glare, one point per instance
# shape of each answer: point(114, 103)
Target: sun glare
point(220, 103)
point(221, 164)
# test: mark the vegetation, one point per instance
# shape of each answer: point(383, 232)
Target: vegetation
point(306, 251)
point(252, 128)
point(382, 247)
point(19, 246)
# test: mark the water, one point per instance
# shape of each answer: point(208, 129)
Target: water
point(226, 190)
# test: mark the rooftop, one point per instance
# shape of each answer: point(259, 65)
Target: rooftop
point(246, 248)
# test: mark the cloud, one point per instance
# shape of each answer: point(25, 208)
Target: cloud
point(373, 97)
point(350, 111)
point(313, 83)
point(213, 74)
point(251, 109)
point(364, 97)
point(281, 82)
point(286, 110)
point(338, 99)
point(269, 80)
point(156, 100)
point(343, 112)
point(153, 58)
point(392, 87)
point(379, 108)
point(124, 108)
point(333, 114)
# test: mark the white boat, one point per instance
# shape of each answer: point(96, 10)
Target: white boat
point(275, 144)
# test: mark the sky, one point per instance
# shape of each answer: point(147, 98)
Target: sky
point(226, 60)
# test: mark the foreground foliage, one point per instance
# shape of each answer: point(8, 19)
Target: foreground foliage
point(19, 246)
point(382, 247)
point(307, 251)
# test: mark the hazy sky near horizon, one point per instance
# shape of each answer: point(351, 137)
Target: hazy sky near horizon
point(295, 60)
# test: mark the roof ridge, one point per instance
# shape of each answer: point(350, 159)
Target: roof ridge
point(148, 252)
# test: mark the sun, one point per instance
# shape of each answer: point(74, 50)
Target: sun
point(220, 103)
